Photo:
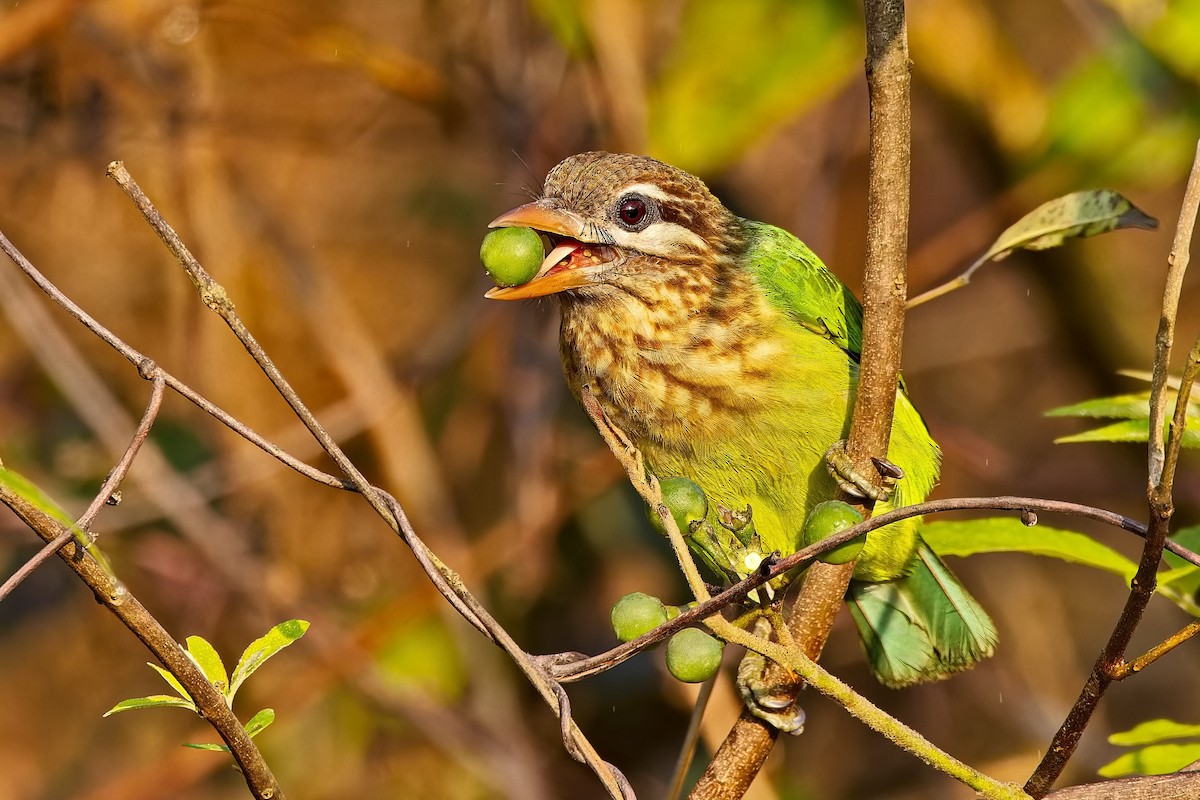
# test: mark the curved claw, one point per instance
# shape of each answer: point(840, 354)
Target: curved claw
point(853, 482)
point(770, 700)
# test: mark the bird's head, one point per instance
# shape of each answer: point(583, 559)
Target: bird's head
point(623, 222)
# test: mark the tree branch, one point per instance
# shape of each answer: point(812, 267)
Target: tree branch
point(209, 700)
point(885, 283)
point(1161, 507)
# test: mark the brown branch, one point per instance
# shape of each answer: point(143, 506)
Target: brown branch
point(1180, 786)
point(188, 510)
point(209, 700)
point(1161, 469)
point(105, 495)
point(568, 667)
point(746, 747)
point(1159, 650)
point(447, 582)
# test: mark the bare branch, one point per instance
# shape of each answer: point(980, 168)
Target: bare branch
point(115, 476)
point(145, 627)
point(448, 582)
point(1161, 508)
point(885, 285)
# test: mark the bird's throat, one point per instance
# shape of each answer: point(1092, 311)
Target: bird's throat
point(672, 361)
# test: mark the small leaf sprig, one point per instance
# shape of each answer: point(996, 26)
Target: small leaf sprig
point(209, 661)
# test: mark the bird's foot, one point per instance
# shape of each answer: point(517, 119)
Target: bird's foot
point(853, 482)
point(770, 691)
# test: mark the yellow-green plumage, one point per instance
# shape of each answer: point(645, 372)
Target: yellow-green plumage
point(728, 353)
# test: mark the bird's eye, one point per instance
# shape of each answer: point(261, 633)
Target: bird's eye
point(633, 213)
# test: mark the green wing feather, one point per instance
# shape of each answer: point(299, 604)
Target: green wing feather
point(922, 627)
point(898, 648)
point(799, 284)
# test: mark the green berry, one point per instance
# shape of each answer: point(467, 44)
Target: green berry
point(828, 518)
point(686, 501)
point(635, 614)
point(511, 255)
point(693, 656)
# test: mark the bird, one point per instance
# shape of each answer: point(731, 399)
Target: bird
point(728, 353)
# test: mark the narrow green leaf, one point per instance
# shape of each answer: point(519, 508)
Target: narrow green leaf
point(263, 648)
point(260, 722)
point(153, 701)
point(28, 491)
point(1077, 214)
point(1154, 731)
point(1157, 759)
point(1130, 430)
point(31, 493)
point(1122, 406)
point(1010, 535)
point(209, 661)
point(216, 748)
point(173, 681)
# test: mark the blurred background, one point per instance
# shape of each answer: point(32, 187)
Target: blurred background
point(334, 165)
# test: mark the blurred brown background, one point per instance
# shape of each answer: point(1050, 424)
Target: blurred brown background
point(334, 165)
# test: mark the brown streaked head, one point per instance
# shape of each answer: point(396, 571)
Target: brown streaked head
point(616, 217)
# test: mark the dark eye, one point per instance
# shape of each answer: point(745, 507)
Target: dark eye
point(633, 213)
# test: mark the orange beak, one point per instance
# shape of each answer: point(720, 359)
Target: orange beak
point(553, 275)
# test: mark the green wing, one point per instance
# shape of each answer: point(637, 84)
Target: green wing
point(796, 282)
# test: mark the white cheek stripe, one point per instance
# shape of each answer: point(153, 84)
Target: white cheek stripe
point(662, 238)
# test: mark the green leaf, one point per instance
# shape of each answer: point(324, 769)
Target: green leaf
point(1154, 731)
point(153, 701)
point(1010, 535)
point(31, 493)
point(257, 724)
point(28, 491)
point(1130, 430)
point(1122, 406)
point(260, 722)
point(174, 682)
point(263, 648)
point(1157, 759)
point(206, 657)
point(1077, 214)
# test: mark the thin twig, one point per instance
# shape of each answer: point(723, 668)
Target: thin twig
point(647, 487)
point(949, 286)
point(209, 533)
point(1159, 500)
point(139, 360)
point(209, 700)
point(214, 296)
point(1177, 264)
point(567, 669)
point(38, 558)
point(691, 739)
point(869, 714)
point(115, 476)
point(1138, 664)
point(885, 283)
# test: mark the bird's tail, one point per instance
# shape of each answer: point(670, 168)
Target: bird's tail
point(922, 627)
